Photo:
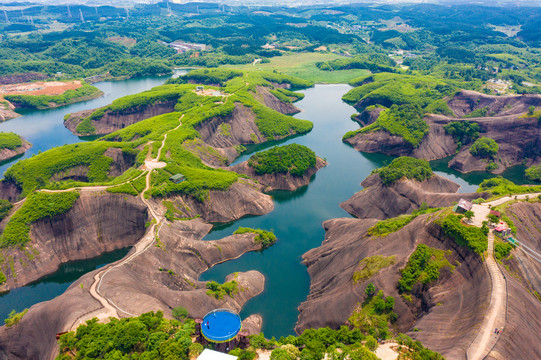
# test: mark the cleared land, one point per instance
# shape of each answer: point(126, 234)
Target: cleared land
point(303, 65)
point(40, 88)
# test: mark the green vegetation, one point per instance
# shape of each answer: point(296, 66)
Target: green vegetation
point(370, 266)
point(484, 148)
point(389, 226)
point(216, 76)
point(36, 172)
point(5, 207)
point(423, 267)
point(263, 237)
point(46, 101)
point(404, 167)
point(218, 291)
point(502, 249)
point(294, 159)
point(534, 172)
point(405, 121)
point(372, 62)
point(500, 186)
point(38, 205)
point(149, 336)
point(126, 188)
point(10, 141)
point(481, 112)
point(463, 132)
point(374, 315)
point(14, 317)
point(472, 237)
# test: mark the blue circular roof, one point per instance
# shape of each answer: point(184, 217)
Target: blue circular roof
point(221, 325)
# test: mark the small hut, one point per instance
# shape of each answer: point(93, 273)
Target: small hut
point(462, 206)
point(177, 178)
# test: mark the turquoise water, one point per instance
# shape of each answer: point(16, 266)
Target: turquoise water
point(55, 284)
point(45, 128)
point(297, 217)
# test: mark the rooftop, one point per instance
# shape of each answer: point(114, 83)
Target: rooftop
point(208, 354)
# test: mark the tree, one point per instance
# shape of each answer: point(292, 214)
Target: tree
point(493, 218)
point(371, 343)
point(469, 214)
point(180, 313)
point(531, 110)
point(484, 148)
point(370, 290)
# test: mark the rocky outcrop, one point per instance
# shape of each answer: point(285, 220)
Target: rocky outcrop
point(378, 201)
point(242, 198)
point(466, 101)
point(518, 136)
point(239, 127)
point(122, 161)
point(9, 190)
point(8, 114)
point(209, 155)
point(181, 255)
point(264, 96)
point(367, 117)
point(112, 121)
point(7, 154)
point(97, 223)
point(447, 314)
point(279, 181)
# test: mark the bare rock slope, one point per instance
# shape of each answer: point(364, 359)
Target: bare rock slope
point(378, 201)
point(518, 136)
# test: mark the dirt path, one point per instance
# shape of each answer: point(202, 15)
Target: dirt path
point(495, 316)
point(109, 308)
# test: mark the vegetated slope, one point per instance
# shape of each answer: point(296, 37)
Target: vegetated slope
point(96, 223)
point(285, 167)
point(502, 118)
point(164, 277)
point(448, 310)
point(382, 198)
point(176, 94)
point(12, 145)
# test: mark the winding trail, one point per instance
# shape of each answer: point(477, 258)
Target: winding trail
point(495, 317)
point(108, 307)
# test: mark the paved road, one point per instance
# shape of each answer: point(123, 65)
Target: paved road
point(495, 316)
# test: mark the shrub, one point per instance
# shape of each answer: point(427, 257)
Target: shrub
point(472, 237)
point(10, 141)
point(534, 172)
point(5, 207)
point(180, 313)
point(423, 267)
point(484, 148)
point(263, 237)
point(217, 290)
point(370, 266)
point(294, 159)
point(500, 186)
point(463, 132)
point(502, 249)
point(37, 206)
point(14, 317)
point(404, 167)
